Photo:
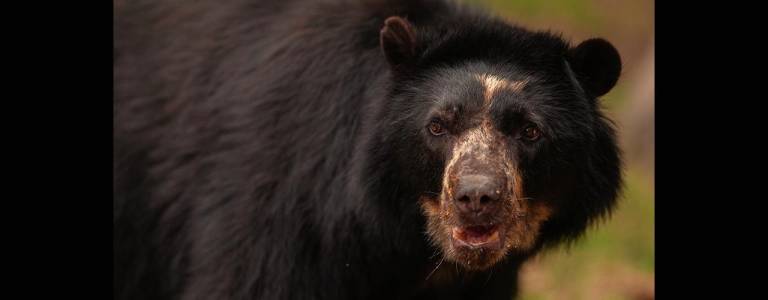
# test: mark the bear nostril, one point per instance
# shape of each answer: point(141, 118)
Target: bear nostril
point(477, 193)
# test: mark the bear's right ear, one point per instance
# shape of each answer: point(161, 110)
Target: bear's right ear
point(398, 41)
point(597, 65)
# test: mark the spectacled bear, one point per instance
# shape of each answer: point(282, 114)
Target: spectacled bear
point(330, 149)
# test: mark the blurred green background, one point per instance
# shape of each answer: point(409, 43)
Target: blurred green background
point(615, 260)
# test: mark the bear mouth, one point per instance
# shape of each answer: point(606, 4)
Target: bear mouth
point(474, 237)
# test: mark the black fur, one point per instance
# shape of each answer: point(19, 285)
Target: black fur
point(267, 149)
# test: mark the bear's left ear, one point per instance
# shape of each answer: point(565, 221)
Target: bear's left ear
point(398, 41)
point(597, 65)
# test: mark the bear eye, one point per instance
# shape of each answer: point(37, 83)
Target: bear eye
point(531, 132)
point(435, 128)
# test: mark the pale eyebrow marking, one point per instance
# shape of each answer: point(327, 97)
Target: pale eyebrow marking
point(494, 83)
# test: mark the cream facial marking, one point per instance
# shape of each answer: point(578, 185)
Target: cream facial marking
point(494, 83)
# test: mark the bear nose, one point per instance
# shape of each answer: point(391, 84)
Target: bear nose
point(477, 194)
